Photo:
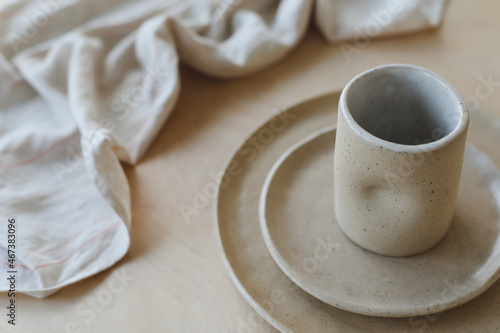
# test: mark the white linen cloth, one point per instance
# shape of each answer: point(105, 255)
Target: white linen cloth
point(87, 84)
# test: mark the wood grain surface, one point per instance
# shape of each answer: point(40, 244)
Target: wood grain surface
point(173, 278)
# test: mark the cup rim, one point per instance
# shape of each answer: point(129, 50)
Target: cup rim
point(399, 147)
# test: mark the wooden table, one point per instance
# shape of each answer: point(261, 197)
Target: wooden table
point(173, 278)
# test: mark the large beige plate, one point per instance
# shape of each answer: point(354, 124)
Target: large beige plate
point(262, 283)
point(298, 223)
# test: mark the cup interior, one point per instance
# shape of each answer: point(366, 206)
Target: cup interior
point(404, 105)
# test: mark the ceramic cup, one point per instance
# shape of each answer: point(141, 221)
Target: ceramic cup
point(399, 149)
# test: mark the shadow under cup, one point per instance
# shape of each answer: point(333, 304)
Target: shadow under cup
point(400, 143)
point(404, 105)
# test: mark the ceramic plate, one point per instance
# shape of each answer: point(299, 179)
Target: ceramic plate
point(298, 223)
point(263, 284)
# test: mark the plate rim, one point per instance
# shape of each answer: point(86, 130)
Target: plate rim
point(239, 286)
point(394, 312)
point(278, 322)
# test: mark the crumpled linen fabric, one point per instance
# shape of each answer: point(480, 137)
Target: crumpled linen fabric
point(86, 85)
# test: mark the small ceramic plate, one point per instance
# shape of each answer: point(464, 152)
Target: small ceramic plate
point(298, 223)
point(264, 285)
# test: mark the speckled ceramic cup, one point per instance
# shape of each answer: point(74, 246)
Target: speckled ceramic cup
point(400, 143)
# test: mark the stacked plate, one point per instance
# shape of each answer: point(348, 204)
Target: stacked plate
point(295, 267)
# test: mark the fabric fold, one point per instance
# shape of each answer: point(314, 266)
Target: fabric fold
point(86, 85)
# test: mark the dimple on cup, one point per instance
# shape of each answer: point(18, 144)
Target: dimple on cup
point(400, 143)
